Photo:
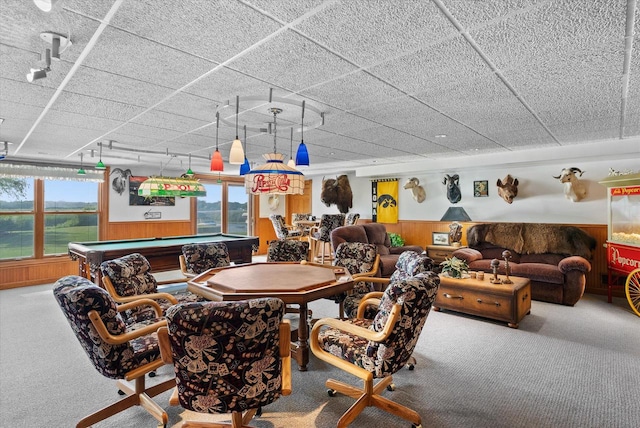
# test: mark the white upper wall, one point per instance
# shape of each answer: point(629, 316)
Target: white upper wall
point(540, 197)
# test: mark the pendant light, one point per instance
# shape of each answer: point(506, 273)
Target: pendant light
point(302, 156)
point(81, 171)
point(236, 155)
point(100, 164)
point(189, 172)
point(274, 177)
point(216, 159)
point(291, 162)
point(245, 167)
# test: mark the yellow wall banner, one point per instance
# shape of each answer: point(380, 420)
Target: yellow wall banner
point(384, 200)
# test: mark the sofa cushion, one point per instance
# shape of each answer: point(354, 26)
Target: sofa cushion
point(485, 266)
point(548, 258)
point(490, 251)
point(541, 272)
point(468, 254)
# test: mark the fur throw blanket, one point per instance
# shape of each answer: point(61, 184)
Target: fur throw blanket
point(534, 238)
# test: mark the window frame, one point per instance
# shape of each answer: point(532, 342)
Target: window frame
point(39, 212)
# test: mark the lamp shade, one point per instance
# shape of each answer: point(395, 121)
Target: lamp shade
point(302, 155)
point(100, 165)
point(236, 155)
point(216, 161)
point(274, 177)
point(455, 214)
point(245, 167)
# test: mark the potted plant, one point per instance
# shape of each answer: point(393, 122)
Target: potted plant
point(396, 240)
point(454, 267)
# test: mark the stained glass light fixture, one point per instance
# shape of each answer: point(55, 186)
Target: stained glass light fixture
point(171, 186)
point(275, 176)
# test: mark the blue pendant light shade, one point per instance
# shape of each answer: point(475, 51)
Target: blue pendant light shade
point(245, 167)
point(302, 155)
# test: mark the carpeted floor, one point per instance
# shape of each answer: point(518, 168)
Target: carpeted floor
point(564, 367)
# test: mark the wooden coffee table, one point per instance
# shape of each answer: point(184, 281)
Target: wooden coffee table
point(502, 302)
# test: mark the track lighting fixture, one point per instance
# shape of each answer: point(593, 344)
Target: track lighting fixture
point(100, 164)
point(40, 73)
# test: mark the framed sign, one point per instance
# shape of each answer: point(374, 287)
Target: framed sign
point(440, 238)
point(480, 188)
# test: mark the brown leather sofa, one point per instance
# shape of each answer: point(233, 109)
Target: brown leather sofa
point(554, 257)
point(373, 233)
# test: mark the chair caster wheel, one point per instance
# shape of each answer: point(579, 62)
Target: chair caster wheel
point(416, 426)
point(259, 412)
point(121, 392)
point(411, 366)
point(152, 374)
point(391, 387)
point(331, 392)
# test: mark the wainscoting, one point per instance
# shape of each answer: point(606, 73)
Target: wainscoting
point(21, 273)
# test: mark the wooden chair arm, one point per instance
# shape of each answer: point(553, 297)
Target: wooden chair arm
point(183, 267)
point(338, 362)
point(370, 299)
point(140, 302)
point(119, 339)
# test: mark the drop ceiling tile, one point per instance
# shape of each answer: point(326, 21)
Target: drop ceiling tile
point(273, 62)
point(367, 33)
point(94, 107)
point(225, 27)
point(125, 54)
point(169, 121)
point(442, 65)
point(353, 91)
point(114, 87)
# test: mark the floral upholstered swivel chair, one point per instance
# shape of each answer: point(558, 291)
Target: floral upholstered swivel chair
point(377, 348)
point(321, 235)
point(284, 231)
point(352, 218)
point(409, 264)
point(229, 357)
point(198, 258)
point(116, 350)
point(287, 251)
point(129, 278)
point(360, 260)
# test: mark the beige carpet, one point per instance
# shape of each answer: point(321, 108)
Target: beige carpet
point(564, 367)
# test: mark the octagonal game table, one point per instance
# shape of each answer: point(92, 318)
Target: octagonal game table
point(294, 283)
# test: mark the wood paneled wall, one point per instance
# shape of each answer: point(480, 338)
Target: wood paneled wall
point(29, 272)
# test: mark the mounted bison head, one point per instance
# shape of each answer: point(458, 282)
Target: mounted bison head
point(338, 192)
point(508, 188)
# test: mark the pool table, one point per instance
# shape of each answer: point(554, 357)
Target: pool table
point(162, 253)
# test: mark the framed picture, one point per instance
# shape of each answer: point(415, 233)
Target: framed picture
point(480, 188)
point(440, 238)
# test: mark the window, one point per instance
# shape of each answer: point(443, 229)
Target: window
point(17, 218)
point(49, 215)
point(70, 214)
point(224, 209)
